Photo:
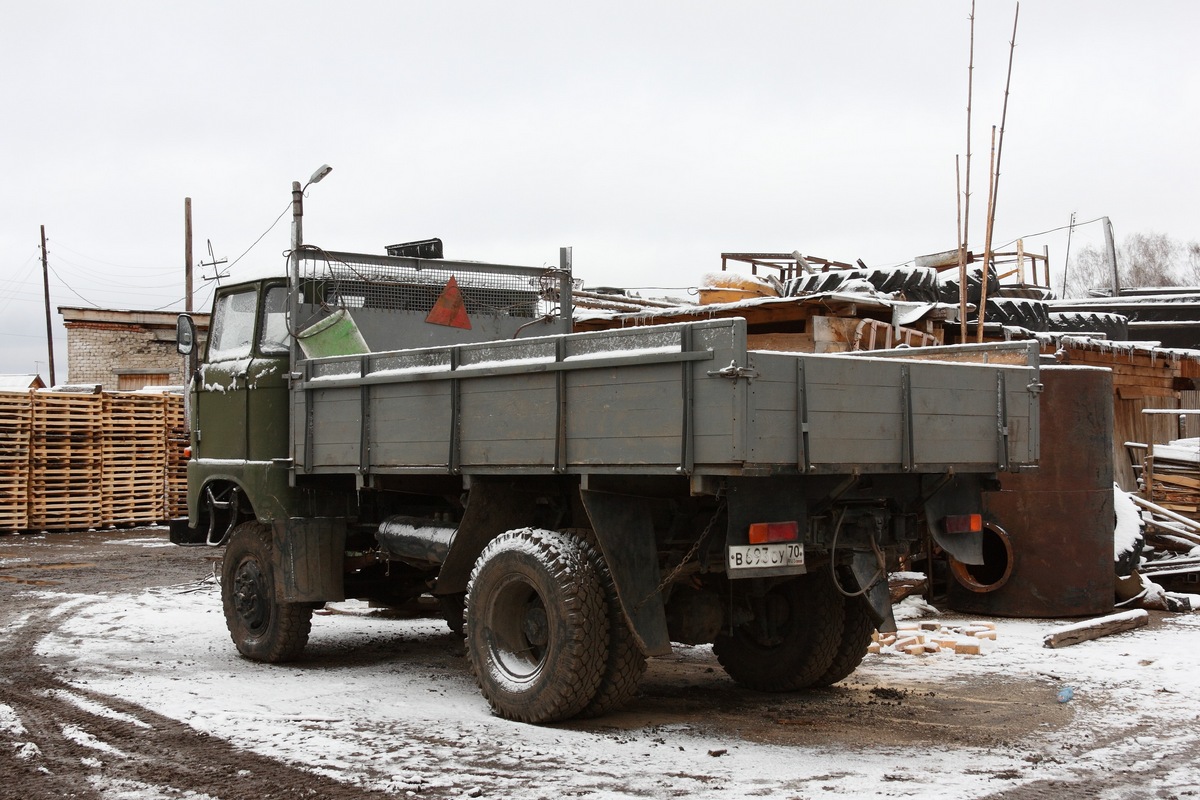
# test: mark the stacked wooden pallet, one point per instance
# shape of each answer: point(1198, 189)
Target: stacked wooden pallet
point(66, 461)
point(15, 424)
point(77, 461)
point(134, 441)
point(178, 440)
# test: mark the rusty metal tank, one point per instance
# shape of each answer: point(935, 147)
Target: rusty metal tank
point(1048, 547)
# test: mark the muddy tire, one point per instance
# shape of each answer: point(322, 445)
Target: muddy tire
point(858, 623)
point(262, 628)
point(536, 628)
point(626, 663)
point(792, 640)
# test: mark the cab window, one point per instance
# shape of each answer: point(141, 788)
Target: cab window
point(274, 338)
point(232, 326)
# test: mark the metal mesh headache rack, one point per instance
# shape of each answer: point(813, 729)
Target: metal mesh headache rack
point(358, 280)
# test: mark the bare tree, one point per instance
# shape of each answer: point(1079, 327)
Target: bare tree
point(1143, 260)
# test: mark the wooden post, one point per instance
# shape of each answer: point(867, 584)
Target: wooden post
point(962, 260)
point(998, 150)
point(187, 254)
point(966, 216)
point(987, 242)
point(1003, 116)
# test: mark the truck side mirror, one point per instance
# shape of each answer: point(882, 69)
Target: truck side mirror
point(185, 334)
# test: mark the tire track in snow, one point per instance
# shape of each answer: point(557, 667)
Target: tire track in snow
point(63, 741)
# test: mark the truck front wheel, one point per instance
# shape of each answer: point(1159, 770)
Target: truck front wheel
point(262, 628)
point(791, 640)
point(536, 627)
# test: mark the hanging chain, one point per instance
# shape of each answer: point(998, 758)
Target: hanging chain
point(691, 553)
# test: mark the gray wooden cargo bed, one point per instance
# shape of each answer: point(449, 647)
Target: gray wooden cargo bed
point(672, 399)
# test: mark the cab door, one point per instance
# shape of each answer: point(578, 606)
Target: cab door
point(267, 427)
point(222, 382)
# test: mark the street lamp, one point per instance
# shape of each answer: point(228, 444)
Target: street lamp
point(298, 205)
point(297, 242)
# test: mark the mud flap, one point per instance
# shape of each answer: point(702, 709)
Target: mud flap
point(866, 568)
point(309, 555)
point(962, 494)
point(622, 525)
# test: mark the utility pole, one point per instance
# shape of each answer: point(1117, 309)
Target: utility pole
point(1109, 244)
point(49, 319)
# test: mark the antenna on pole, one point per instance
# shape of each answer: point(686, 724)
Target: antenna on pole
point(213, 262)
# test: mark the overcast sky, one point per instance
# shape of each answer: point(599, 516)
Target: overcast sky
point(649, 136)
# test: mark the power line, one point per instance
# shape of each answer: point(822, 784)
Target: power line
point(138, 270)
point(1052, 230)
point(71, 290)
point(260, 238)
point(109, 279)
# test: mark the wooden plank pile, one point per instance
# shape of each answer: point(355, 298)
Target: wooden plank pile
point(77, 461)
point(16, 417)
point(1173, 483)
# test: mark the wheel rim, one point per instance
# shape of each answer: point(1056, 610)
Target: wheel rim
point(250, 599)
point(518, 630)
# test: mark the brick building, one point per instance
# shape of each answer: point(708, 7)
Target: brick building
point(125, 350)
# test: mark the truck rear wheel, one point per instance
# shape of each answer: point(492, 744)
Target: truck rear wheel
point(792, 639)
point(858, 624)
point(536, 628)
point(262, 628)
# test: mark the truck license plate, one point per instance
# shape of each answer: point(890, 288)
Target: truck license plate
point(757, 556)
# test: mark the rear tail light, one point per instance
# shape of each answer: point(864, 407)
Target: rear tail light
point(764, 532)
point(963, 523)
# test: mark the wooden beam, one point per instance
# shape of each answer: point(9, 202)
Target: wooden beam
point(1096, 628)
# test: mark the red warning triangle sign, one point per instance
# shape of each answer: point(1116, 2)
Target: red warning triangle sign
point(449, 309)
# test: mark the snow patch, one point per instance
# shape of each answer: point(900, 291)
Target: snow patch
point(92, 707)
point(81, 737)
point(1128, 530)
point(28, 751)
point(10, 722)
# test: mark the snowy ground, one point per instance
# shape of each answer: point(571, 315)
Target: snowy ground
point(378, 703)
